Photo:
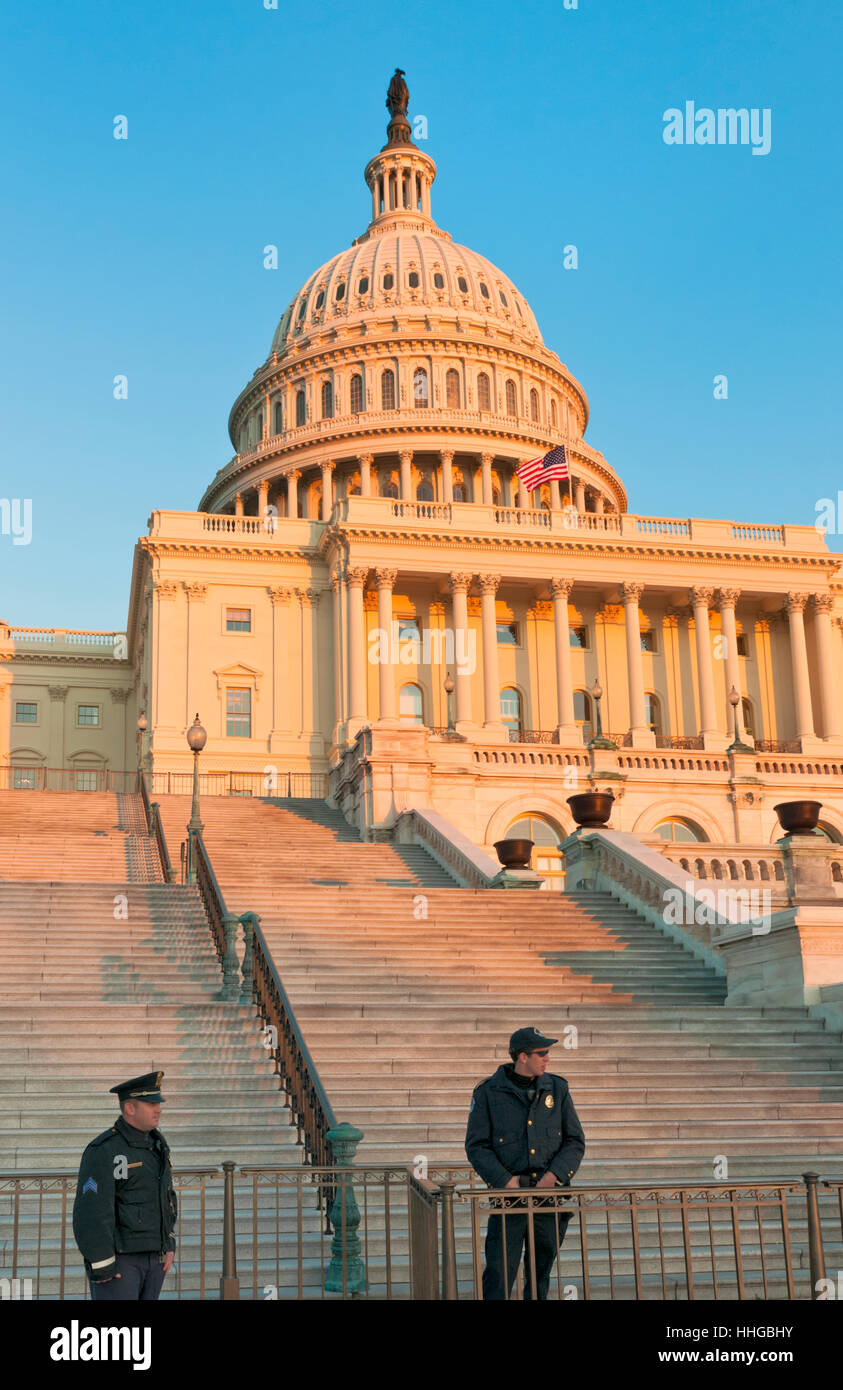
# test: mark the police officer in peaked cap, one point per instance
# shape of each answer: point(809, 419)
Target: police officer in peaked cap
point(523, 1131)
point(125, 1209)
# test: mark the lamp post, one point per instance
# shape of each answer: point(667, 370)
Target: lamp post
point(598, 741)
point(196, 739)
point(142, 728)
point(736, 746)
point(449, 688)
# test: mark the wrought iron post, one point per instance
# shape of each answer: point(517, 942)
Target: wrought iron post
point(229, 1283)
point(449, 1245)
point(815, 1239)
point(346, 1273)
point(250, 920)
point(230, 965)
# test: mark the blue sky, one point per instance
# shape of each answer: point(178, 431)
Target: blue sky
point(250, 126)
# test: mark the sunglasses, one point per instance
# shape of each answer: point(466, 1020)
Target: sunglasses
point(540, 1052)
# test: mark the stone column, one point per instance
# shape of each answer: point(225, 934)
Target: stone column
point(366, 461)
point(555, 495)
point(279, 597)
point(238, 504)
point(167, 639)
point(340, 645)
point(599, 504)
point(357, 655)
point(386, 675)
point(263, 494)
point(327, 490)
point(58, 695)
point(642, 735)
point(491, 681)
point(799, 665)
point(566, 727)
point(310, 672)
point(579, 494)
point(292, 493)
point(194, 650)
point(446, 458)
point(700, 598)
point(459, 607)
point(728, 600)
point(406, 488)
point(486, 475)
point(829, 704)
point(523, 495)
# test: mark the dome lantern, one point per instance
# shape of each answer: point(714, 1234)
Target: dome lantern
point(399, 177)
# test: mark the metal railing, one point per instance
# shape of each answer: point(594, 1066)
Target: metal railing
point(36, 777)
point(156, 830)
point(265, 1233)
point(305, 785)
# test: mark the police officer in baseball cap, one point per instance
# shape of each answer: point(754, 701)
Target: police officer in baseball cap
point(523, 1131)
point(125, 1209)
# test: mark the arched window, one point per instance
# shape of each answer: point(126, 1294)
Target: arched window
point(582, 712)
point(511, 712)
point(496, 496)
point(388, 390)
point(320, 300)
point(388, 281)
point(534, 405)
point(484, 394)
point(413, 279)
point(676, 828)
point(410, 707)
point(439, 281)
point(484, 290)
point(389, 487)
point(327, 401)
point(258, 425)
point(511, 399)
point(340, 291)
point(424, 491)
point(748, 717)
point(363, 286)
point(452, 389)
point(828, 832)
point(301, 409)
point(546, 857)
point(356, 394)
point(462, 284)
point(420, 397)
point(459, 493)
point(503, 298)
point(553, 419)
point(652, 712)
point(279, 418)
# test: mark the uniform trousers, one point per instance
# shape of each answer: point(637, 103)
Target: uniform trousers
point(142, 1276)
point(548, 1236)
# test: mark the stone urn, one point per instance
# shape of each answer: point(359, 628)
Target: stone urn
point(514, 854)
point(798, 817)
point(591, 810)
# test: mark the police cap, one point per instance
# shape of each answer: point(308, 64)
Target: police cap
point(146, 1088)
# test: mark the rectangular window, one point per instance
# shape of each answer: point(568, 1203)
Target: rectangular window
point(238, 713)
point(238, 619)
point(648, 641)
point(89, 715)
point(408, 630)
point(578, 636)
point(743, 644)
point(25, 713)
point(507, 634)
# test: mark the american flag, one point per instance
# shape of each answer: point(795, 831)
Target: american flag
point(542, 470)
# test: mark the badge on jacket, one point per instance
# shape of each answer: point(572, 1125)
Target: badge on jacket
point(548, 1100)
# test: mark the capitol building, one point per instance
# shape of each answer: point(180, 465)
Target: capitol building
point(368, 606)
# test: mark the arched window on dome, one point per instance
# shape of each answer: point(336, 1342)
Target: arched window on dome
point(388, 280)
point(388, 487)
point(410, 705)
point(340, 292)
point(356, 397)
point(327, 401)
point(582, 712)
point(439, 281)
point(484, 290)
point(258, 425)
point(484, 394)
point(496, 496)
point(503, 298)
point(413, 280)
point(554, 421)
point(462, 284)
point(420, 394)
point(534, 405)
point(452, 389)
point(320, 300)
point(279, 418)
point(511, 398)
point(424, 491)
point(388, 390)
point(363, 287)
point(460, 491)
point(301, 408)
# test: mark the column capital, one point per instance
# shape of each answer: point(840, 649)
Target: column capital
point(294, 473)
point(357, 576)
point(366, 459)
point(632, 590)
point(728, 598)
point(489, 583)
point(279, 594)
point(119, 696)
point(166, 588)
point(328, 465)
point(308, 598)
point(386, 578)
point(487, 459)
point(58, 693)
point(405, 455)
point(460, 583)
point(446, 455)
point(796, 602)
point(823, 603)
point(701, 595)
point(263, 485)
point(561, 588)
point(195, 592)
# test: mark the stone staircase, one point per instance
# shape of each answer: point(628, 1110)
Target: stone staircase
point(407, 990)
point(75, 836)
point(106, 980)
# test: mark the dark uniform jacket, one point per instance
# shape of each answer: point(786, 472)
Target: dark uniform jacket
point(114, 1215)
point(507, 1135)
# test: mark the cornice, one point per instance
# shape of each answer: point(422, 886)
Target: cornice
point(43, 659)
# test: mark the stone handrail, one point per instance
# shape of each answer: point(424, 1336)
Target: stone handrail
point(72, 636)
point(459, 856)
point(731, 863)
